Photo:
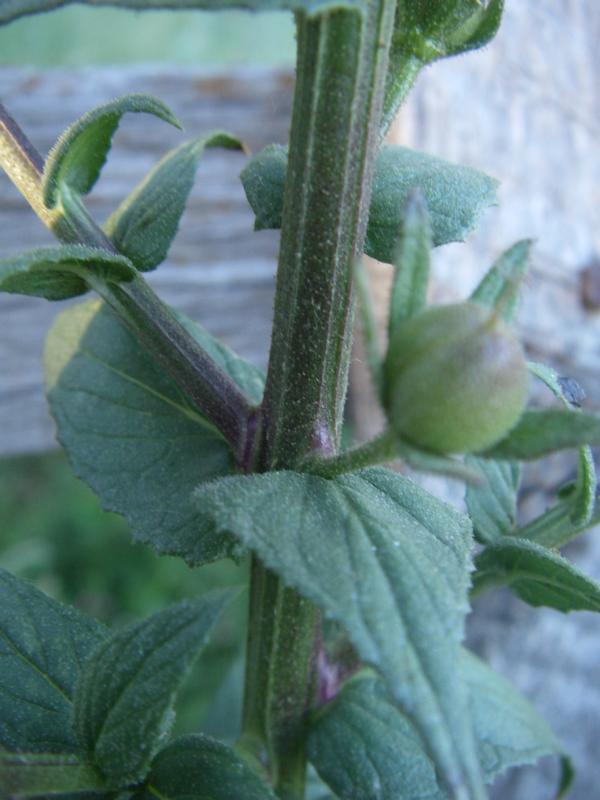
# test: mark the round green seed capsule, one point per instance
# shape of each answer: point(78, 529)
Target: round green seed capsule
point(455, 379)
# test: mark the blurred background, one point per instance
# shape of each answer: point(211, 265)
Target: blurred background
point(525, 109)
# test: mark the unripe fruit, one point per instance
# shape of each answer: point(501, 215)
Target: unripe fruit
point(455, 378)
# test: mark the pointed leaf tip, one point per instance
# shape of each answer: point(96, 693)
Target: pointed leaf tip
point(78, 156)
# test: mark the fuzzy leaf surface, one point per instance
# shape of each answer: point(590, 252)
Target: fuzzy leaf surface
point(411, 263)
point(539, 576)
point(43, 645)
point(55, 273)
point(500, 286)
point(197, 767)
point(387, 561)
point(34, 774)
point(130, 433)
point(541, 432)
point(124, 697)
point(455, 195)
point(13, 9)
point(364, 746)
point(492, 505)
point(146, 222)
point(78, 156)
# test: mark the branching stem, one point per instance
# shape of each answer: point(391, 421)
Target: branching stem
point(151, 320)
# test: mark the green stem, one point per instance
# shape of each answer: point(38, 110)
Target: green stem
point(154, 324)
point(342, 58)
point(381, 449)
point(401, 77)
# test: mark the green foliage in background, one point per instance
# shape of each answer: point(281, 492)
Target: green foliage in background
point(75, 36)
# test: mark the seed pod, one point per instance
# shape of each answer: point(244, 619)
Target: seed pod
point(456, 379)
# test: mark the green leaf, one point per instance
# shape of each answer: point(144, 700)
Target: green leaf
point(57, 273)
point(492, 505)
point(42, 647)
point(197, 768)
point(455, 195)
point(79, 154)
point(130, 433)
point(13, 9)
point(146, 222)
point(574, 511)
point(539, 576)
point(540, 432)
point(125, 694)
point(32, 774)
point(387, 561)
point(500, 287)
point(427, 30)
point(363, 745)
point(411, 263)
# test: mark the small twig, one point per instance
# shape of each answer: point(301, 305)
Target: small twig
point(209, 387)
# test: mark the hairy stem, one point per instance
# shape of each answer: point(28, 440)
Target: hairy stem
point(342, 57)
point(153, 323)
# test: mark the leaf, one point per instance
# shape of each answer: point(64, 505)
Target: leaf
point(13, 9)
point(540, 432)
point(146, 222)
point(455, 195)
point(80, 152)
point(27, 774)
point(428, 461)
point(427, 30)
point(570, 516)
point(539, 576)
point(363, 745)
point(387, 561)
point(125, 694)
point(411, 263)
point(131, 435)
point(575, 511)
point(42, 647)
point(492, 505)
point(197, 768)
point(500, 287)
point(57, 273)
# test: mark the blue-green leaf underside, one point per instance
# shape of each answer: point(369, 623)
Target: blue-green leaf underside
point(539, 576)
point(43, 645)
point(13, 9)
point(57, 273)
point(492, 505)
point(130, 433)
point(386, 560)
point(78, 156)
point(146, 222)
point(364, 746)
point(455, 195)
point(197, 768)
point(124, 697)
point(36, 774)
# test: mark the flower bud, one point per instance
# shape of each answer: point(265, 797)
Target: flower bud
point(456, 379)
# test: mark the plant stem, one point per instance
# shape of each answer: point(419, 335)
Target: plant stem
point(342, 57)
point(380, 450)
point(152, 321)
